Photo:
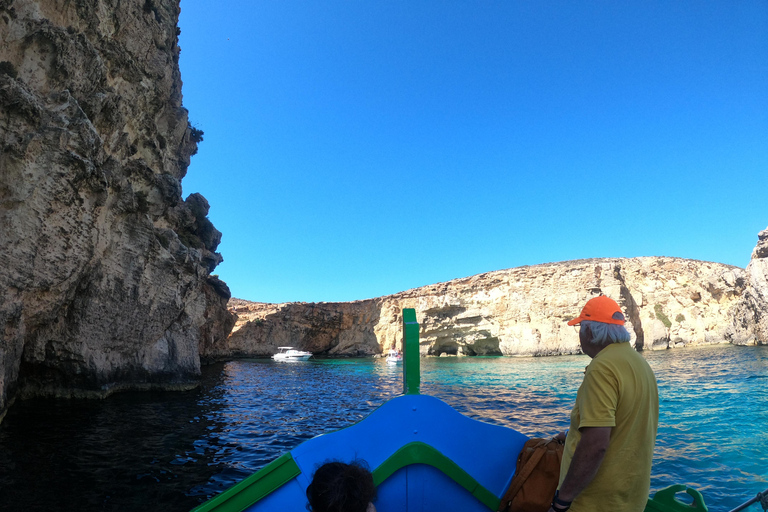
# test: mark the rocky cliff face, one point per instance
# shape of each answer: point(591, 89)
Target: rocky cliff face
point(104, 276)
point(750, 322)
point(333, 328)
point(669, 302)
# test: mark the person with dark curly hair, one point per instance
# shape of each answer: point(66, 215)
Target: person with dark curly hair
point(342, 487)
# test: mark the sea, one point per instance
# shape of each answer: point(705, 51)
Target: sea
point(170, 451)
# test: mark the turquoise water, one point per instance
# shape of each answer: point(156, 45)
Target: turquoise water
point(713, 422)
point(171, 451)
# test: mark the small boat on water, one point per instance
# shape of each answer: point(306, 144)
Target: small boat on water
point(394, 356)
point(291, 354)
point(424, 455)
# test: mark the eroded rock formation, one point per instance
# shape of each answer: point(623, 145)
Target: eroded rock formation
point(104, 280)
point(333, 328)
point(520, 311)
point(750, 323)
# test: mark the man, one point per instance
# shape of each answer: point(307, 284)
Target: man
point(609, 446)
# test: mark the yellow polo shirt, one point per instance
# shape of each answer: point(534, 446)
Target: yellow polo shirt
point(619, 390)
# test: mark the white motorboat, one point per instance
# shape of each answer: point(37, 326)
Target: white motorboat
point(291, 354)
point(394, 356)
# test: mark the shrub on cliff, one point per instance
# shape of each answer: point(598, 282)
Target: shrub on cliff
point(661, 316)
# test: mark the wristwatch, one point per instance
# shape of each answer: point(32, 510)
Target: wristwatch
point(558, 504)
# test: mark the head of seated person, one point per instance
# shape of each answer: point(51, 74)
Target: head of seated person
point(342, 487)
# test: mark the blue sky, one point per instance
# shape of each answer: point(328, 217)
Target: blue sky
point(355, 149)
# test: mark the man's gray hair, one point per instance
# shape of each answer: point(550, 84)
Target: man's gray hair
point(605, 334)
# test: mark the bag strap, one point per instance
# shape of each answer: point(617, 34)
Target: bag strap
point(519, 479)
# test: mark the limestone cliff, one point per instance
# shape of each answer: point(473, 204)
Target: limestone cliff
point(750, 322)
point(520, 311)
point(104, 280)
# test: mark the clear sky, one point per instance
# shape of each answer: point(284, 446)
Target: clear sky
point(355, 149)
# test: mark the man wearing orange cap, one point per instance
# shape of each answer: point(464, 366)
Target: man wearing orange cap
point(609, 447)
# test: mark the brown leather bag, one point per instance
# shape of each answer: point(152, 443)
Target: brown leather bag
point(536, 477)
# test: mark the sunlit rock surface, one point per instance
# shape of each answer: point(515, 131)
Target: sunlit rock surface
point(750, 323)
point(104, 276)
point(669, 302)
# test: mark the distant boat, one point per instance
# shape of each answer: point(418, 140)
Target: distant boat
point(394, 356)
point(291, 354)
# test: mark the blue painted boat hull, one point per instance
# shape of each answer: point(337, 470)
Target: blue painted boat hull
point(486, 452)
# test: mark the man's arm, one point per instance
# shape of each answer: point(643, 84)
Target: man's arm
point(586, 461)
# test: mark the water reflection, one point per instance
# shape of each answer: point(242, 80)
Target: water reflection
point(117, 454)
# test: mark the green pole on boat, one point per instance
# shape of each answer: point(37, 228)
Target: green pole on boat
point(411, 370)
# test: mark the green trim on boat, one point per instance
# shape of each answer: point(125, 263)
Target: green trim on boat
point(665, 500)
point(253, 488)
point(411, 372)
point(421, 453)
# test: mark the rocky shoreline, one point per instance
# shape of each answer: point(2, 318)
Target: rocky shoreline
point(106, 270)
point(669, 302)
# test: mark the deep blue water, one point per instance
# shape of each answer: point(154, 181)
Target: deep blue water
point(172, 450)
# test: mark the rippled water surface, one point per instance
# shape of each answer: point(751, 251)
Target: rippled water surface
point(171, 451)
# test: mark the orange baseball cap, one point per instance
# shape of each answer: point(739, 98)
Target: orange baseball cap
point(600, 309)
